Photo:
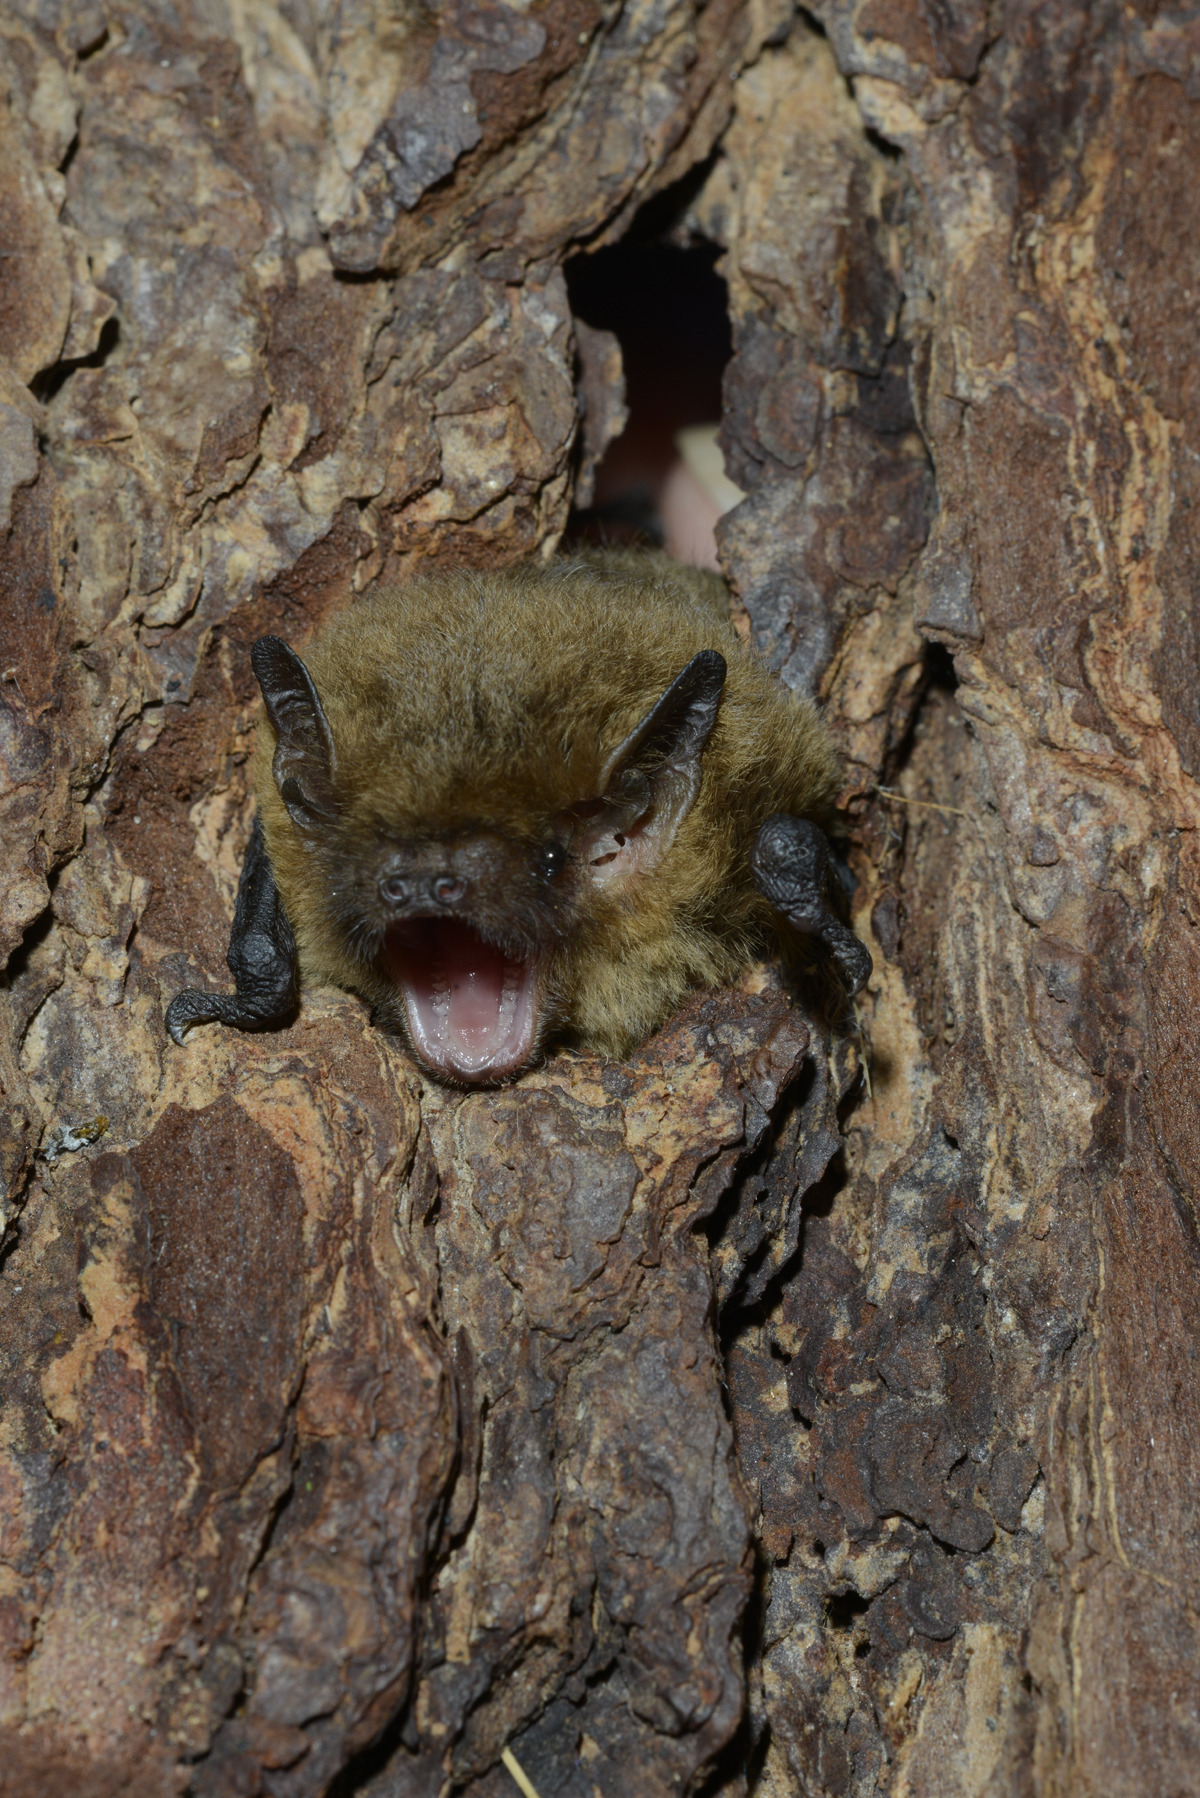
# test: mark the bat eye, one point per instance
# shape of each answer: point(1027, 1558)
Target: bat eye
point(554, 860)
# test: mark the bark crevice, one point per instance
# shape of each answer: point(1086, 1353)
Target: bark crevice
point(857, 1457)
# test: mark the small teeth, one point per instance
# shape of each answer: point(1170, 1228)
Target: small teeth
point(508, 998)
point(439, 1003)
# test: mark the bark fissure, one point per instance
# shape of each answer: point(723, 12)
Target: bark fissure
point(807, 1406)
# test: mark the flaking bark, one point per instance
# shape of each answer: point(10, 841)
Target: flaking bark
point(733, 1415)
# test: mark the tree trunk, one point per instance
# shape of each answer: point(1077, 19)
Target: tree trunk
point(801, 1408)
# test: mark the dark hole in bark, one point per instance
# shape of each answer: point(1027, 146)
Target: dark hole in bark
point(937, 690)
point(35, 933)
point(841, 1608)
point(668, 309)
point(819, 1199)
point(878, 142)
point(940, 666)
point(45, 385)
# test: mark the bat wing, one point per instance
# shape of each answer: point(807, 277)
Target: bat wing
point(262, 958)
point(791, 869)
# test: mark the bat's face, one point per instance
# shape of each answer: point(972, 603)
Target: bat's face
point(463, 937)
point(473, 1012)
point(462, 930)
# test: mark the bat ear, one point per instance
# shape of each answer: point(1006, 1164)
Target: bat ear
point(303, 764)
point(651, 779)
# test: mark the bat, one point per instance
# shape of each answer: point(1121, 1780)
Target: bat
point(527, 807)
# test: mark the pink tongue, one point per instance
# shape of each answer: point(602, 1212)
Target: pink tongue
point(469, 1008)
point(473, 971)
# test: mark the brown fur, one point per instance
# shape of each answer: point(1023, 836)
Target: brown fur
point(468, 700)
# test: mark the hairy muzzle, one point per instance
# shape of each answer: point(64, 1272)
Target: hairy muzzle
point(465, 939)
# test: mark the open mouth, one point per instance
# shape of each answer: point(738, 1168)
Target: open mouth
point(472, 1012)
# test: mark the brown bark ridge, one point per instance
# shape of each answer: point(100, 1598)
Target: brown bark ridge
point(743, 1419)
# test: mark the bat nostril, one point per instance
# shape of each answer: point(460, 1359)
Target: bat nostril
point(394, 889)
point(448, 889)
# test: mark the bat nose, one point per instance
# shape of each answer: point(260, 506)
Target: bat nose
point(414, 891)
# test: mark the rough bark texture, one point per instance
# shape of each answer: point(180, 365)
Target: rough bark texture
point(744, 1418)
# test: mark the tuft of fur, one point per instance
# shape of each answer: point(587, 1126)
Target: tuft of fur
point(470, 701)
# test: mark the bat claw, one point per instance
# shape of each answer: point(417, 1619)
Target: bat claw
point(239, 1011)
point(188, 1008)
point(854, 963)
point(262, 957)
point(791, 868)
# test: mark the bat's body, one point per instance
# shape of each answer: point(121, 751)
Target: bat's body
point(514, 807)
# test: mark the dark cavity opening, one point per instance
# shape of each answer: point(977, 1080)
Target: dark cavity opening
point(667, 306)
point(939, 664)
point(844, 1608)
point(51, 380)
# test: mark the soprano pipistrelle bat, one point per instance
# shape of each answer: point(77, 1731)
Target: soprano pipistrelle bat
point(529, 807)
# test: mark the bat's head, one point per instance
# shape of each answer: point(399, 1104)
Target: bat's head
point(463, 902)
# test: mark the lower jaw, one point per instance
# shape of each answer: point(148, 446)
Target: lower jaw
point(447, 1062)
point(486, 1043)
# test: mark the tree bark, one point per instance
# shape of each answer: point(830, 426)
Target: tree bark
point(803, 1408)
